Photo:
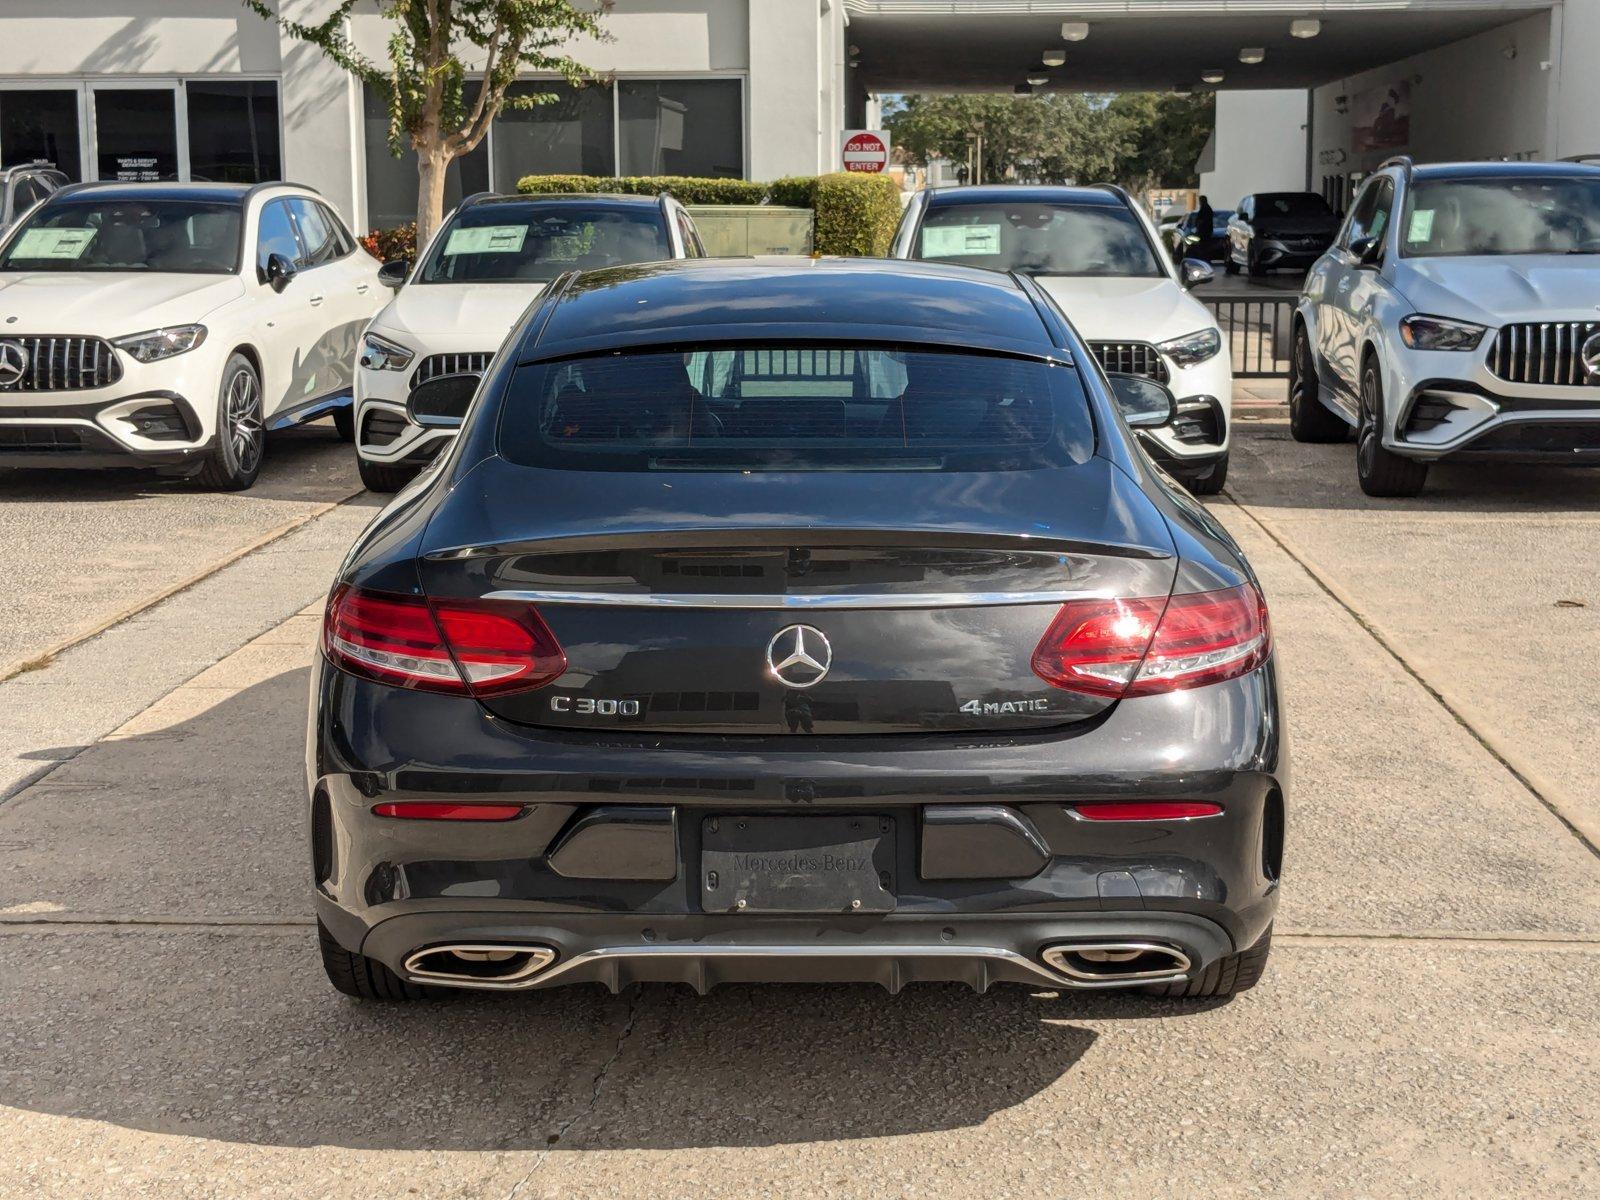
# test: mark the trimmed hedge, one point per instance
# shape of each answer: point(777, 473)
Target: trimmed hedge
point(685, 189)
point(856, 213)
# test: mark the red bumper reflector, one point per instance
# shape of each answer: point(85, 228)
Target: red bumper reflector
point(424, 811)
point(1147, 810)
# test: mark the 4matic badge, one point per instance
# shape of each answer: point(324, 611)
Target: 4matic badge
point(1003, 708)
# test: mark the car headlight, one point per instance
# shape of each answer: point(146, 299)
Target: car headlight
point(1192, 348)
point(380, 354)
point(156, 344)
point(1440, 333)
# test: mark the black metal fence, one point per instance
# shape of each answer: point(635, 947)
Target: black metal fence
point(1257, 333)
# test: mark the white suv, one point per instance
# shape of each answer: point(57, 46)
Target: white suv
point(172, 325)
point(489, 260)
point(1456, 316)
point(1098, 256)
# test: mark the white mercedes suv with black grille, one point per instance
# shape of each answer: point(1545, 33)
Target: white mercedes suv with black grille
point(1098, 256)
point(171, 325)
point(1456, 316)
point(489, 260)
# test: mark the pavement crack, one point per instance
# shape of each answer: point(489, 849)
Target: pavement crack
point(596, 1086)
point(1381, 639)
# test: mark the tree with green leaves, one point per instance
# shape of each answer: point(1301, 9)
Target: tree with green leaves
point(425, 80)
point(1168, 133)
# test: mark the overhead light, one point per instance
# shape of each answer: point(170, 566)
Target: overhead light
point(1305, 27)
point(1252, 54)
point(1211, 76)
point(1053, 58)
point(1038, 80)
point(1074, 31)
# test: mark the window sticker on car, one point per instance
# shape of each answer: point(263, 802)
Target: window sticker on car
point(53, 243)
point(1421, 225)
point(940, 241)
point(486, 239)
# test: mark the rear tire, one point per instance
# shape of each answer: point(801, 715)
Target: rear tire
point(1381, 472)
point(383, 477)
point(235, 461)
point(1208, 482)
point(1228, 976)
point(1309, 419)
point(1256, 269)
point(1228, 265)
point(363, 977)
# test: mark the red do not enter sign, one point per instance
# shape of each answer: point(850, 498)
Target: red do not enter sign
point(866, 150)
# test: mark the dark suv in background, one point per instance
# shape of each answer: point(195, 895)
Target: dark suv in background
point(1279, 229)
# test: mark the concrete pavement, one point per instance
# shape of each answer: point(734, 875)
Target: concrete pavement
point(1426, 1026)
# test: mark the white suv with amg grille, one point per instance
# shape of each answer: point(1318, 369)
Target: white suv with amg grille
point(1456, 316)
point(1097, 255)
point(492, 257)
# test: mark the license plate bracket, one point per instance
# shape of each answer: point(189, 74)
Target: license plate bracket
point(804, 864)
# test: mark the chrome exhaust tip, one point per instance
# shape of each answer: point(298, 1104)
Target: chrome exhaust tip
point(491, 965)
point(1118, 962)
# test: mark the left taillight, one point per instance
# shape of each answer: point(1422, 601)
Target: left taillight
point(460, 647)
point(1137, 647)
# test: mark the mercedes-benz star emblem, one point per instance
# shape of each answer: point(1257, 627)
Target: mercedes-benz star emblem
point(799, 656)
point(13, 363)
point(1591, 356)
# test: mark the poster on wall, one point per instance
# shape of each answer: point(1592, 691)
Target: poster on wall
point(1382, 117)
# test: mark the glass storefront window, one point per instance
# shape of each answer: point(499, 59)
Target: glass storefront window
point(136, 134)
point(233, 130)
point(40, 123)
point(570, 135)
point(392, 182)
point(682, 127)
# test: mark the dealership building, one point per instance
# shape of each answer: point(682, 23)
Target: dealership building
point(1311, 94)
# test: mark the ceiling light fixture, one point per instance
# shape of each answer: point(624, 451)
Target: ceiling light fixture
point(1305, 27)
point(1252, 54)
point(1053, 58)
point(1038, 80)
point(1211, 76)
point(1074, 31)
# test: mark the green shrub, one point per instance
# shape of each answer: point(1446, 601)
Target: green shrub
point(793, 191)
point(685, 189)
point(856, 214)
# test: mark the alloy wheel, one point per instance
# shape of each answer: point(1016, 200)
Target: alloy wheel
point(1367, 432)
point(241, 416)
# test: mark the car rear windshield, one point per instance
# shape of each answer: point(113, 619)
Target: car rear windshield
point(1292, 204)
point(164, 236)
point(516, 243)
point(796, 408)
point(1503, 215)
point(1039, 239)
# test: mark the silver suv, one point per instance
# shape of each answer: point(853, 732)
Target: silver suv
point(1457, 314)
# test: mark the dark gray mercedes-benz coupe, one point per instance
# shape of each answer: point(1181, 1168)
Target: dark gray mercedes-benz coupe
point(796, 620)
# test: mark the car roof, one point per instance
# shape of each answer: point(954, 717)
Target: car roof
point(769, 299)
point(1025, 194)
point(1490, 170)
point(212, 192)
point(599, 199)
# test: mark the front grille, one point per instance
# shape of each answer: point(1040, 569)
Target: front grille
point(1549, 352)
point(1130, 358)
point(60, 364)
point(436, 365)
point(40, 439)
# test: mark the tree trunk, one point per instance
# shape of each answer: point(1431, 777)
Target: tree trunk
point(432, 165)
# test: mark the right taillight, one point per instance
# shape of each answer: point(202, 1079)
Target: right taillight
point(1140, 646)
point(461, 647)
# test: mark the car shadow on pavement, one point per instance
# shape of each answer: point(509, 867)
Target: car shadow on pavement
point(291, 454)
point(1272, 470)
point(188, 997)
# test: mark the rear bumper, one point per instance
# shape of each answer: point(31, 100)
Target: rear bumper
point(387, 887)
